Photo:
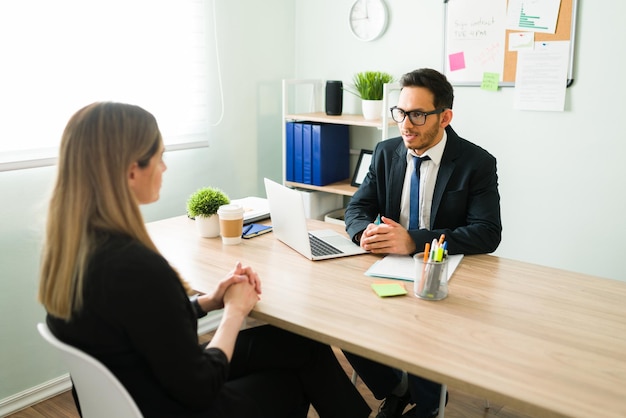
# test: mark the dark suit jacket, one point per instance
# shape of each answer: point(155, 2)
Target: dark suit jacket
point(466, 202)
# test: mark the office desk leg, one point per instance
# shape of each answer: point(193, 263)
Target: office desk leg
point(442, 401)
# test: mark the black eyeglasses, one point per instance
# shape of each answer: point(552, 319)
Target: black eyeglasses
point(415, 116)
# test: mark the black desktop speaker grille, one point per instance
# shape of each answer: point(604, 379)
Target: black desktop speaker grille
point(334, 97)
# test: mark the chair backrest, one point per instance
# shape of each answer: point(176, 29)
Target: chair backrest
point(99, 392)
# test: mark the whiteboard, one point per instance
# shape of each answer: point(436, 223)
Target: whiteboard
point(476, 40)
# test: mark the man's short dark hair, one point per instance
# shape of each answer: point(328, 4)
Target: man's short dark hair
point(434, 81)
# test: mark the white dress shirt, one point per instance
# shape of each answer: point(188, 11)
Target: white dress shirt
point(428, 178)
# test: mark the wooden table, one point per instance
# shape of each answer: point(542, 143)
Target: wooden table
point(544, 341)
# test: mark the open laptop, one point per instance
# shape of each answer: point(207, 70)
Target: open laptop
point(289, 224)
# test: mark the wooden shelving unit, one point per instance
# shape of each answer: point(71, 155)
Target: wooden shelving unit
point(341, 187)
point(353, 120)
point(383, 124)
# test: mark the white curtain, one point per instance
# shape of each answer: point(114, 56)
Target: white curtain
point(58, 56)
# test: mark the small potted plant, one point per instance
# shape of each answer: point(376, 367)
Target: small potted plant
point(202, 205)
point(369, 87)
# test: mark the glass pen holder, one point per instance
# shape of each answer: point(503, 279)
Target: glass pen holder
point(431, 278)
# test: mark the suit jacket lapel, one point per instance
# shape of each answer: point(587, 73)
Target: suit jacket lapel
point(446, 169)
point(396, 181)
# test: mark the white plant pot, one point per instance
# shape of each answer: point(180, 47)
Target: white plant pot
point(372, 109)
point(208, 227)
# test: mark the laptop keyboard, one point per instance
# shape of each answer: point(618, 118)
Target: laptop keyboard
point(321, 248)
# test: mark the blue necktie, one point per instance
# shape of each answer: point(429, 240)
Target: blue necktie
point(414, 214)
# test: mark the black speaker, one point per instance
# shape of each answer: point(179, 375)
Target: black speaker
point(334, 97)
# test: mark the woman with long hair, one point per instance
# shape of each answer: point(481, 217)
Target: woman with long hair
point(109, 292)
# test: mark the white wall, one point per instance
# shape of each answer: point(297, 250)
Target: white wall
point(560, 178)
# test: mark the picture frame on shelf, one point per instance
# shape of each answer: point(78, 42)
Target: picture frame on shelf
point(362, 167)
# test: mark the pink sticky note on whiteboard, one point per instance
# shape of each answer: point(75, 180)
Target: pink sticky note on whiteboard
point(457, 61)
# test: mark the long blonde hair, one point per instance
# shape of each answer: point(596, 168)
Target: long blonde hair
point(100, 143)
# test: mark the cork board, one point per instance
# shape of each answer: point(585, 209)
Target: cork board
point(475, 35)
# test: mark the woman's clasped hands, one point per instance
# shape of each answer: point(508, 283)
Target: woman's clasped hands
point(242, 288)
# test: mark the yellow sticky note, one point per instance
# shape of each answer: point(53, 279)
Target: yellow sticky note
point(389, 289)
point(490, 81)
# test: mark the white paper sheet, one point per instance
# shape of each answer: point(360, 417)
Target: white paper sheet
point(541, 76)
point(533, 15)
point(402, 267)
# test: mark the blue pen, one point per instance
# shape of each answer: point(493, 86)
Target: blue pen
point(247, 229)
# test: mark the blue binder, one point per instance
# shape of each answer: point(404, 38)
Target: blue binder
point(307, 158)
point(297, 152)
point(330, 153)
point(289, 152)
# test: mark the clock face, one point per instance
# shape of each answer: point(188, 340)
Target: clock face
point(368, 19)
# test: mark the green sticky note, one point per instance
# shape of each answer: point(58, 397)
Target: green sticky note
point(389, 289)
point(490, 81)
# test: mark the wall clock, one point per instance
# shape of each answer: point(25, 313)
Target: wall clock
point(368, 19)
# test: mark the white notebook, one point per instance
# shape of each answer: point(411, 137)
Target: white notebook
point(254, 208)
point(402, 267)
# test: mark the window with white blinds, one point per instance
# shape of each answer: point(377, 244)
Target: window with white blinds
point(58, 56)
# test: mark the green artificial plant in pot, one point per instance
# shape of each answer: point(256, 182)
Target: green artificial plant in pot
point(369, 87)
point(369, 84)
point(202, 205)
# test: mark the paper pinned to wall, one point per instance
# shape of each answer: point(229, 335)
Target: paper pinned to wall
point(542, 76)
point(535, 16)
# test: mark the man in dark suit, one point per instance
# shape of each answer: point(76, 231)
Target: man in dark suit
point(454, 192)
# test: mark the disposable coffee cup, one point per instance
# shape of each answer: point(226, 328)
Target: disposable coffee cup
point(231, 223)
point(431, 278)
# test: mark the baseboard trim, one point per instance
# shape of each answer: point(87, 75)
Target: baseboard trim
point(39, 393)
point(34, 395)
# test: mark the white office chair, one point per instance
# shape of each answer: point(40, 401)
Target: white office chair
point(100, 394)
